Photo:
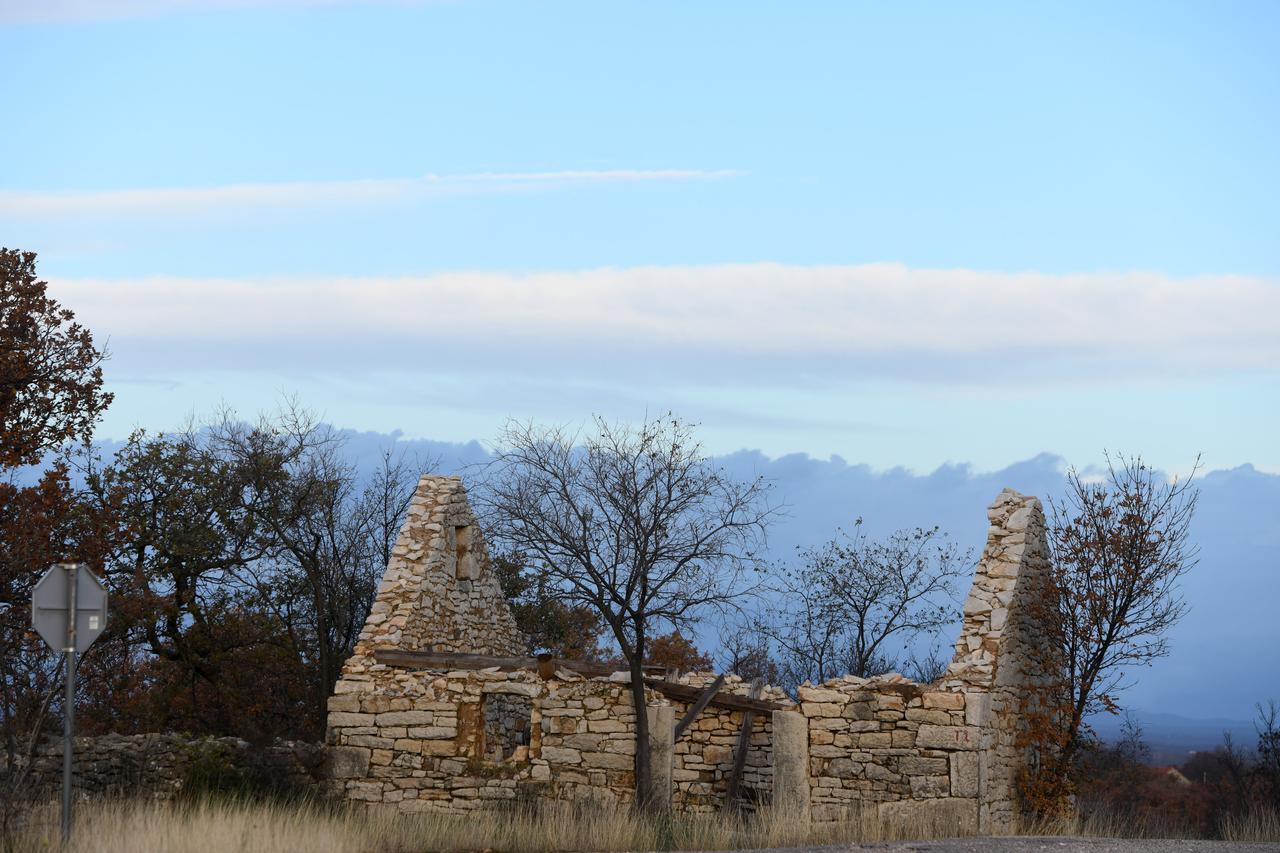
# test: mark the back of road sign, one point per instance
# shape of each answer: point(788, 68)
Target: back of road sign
point(49, 607)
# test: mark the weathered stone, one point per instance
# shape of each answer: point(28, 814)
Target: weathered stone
point(948, 737)
point(790, 764)
point(948, 701)
point(964, 774)
point(346, 762)
point(608, 760)
point(559, 755)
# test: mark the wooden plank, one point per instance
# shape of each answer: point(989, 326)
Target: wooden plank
point(458, 660)
point(732, 701)
point(740, 753)
point(697, 707)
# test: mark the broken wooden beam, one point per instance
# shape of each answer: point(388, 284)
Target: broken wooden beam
point(458, 660)
point(740, 753)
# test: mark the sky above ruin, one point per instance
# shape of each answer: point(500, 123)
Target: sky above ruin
point(903, 235)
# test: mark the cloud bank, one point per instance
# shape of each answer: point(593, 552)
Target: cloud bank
point(738, 322)
point(243, 198)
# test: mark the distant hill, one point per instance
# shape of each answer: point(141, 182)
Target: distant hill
point(1173, 738)
point(1229, 636)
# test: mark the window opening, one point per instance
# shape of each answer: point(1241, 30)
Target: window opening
point(507, 727)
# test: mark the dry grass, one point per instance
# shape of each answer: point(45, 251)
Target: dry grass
point(212, 826)
point(1257, 825)
point(221, 825)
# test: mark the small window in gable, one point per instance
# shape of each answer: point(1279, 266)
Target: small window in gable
point(464, 563)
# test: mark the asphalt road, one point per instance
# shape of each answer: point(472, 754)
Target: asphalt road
point(1054, 844)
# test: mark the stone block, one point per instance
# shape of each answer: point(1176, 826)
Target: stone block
point(346, 762)
point(432, 732)
point(607, 760)
point(514, 687)
point(945, 701)
point(344, 719)
point(406, 718)
point(944, 817)
point(976, 708)
point(859, 711)
point(605, 726)
point(790, 764)
point(914, 765)
point(661, 721)
point(929, 715)
point(344, 702)
point(368, 791)
point(561, 755)
point(964, 774)
point(923, 787)
point(948, 737)
point(819, 694)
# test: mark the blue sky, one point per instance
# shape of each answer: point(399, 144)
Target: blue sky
point(999, 238)
point(907, 234)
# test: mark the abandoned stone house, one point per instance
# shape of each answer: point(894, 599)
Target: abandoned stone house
point(437, 711)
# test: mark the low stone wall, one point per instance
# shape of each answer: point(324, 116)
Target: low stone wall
point(703, 760)
point(159, 765)
point(889, 749)
point(418, 741)
point(887, 740)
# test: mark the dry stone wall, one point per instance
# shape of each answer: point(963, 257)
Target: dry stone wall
point(882, 749)
point(158, 766)
point(703, 759)
point(438, 592)
point(890, 749)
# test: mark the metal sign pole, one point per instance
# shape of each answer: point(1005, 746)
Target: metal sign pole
point(68, 716)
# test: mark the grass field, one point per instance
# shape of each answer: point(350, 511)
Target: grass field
point(213, 826)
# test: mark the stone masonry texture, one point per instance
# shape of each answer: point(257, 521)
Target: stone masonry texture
point(877, 749)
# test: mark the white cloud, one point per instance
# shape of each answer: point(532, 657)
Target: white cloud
point(239, 198)
point(728, 323)
point(73, 11)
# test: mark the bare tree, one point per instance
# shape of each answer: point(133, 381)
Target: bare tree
point(330, 536)
point(1117, 549)
point(635, 522)
point(857, 603)
point(745, 652)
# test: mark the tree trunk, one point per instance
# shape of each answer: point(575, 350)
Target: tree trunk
point(644, 775)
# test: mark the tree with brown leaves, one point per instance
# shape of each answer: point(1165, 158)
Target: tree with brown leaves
point(1118, 547)
point(50, 397)
point(50, 370)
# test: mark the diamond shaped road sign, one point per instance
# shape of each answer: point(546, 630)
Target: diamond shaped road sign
point(49, 601)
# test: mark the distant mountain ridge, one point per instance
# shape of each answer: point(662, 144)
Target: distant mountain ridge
point(1223, 657)
point(1172, 737)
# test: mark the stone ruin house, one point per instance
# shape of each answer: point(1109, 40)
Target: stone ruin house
point(437, 710)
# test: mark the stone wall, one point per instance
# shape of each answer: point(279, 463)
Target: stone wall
point(159, 765)
point(704, 754)
point(852, 749)
point(886, 747)
point(438, 592)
